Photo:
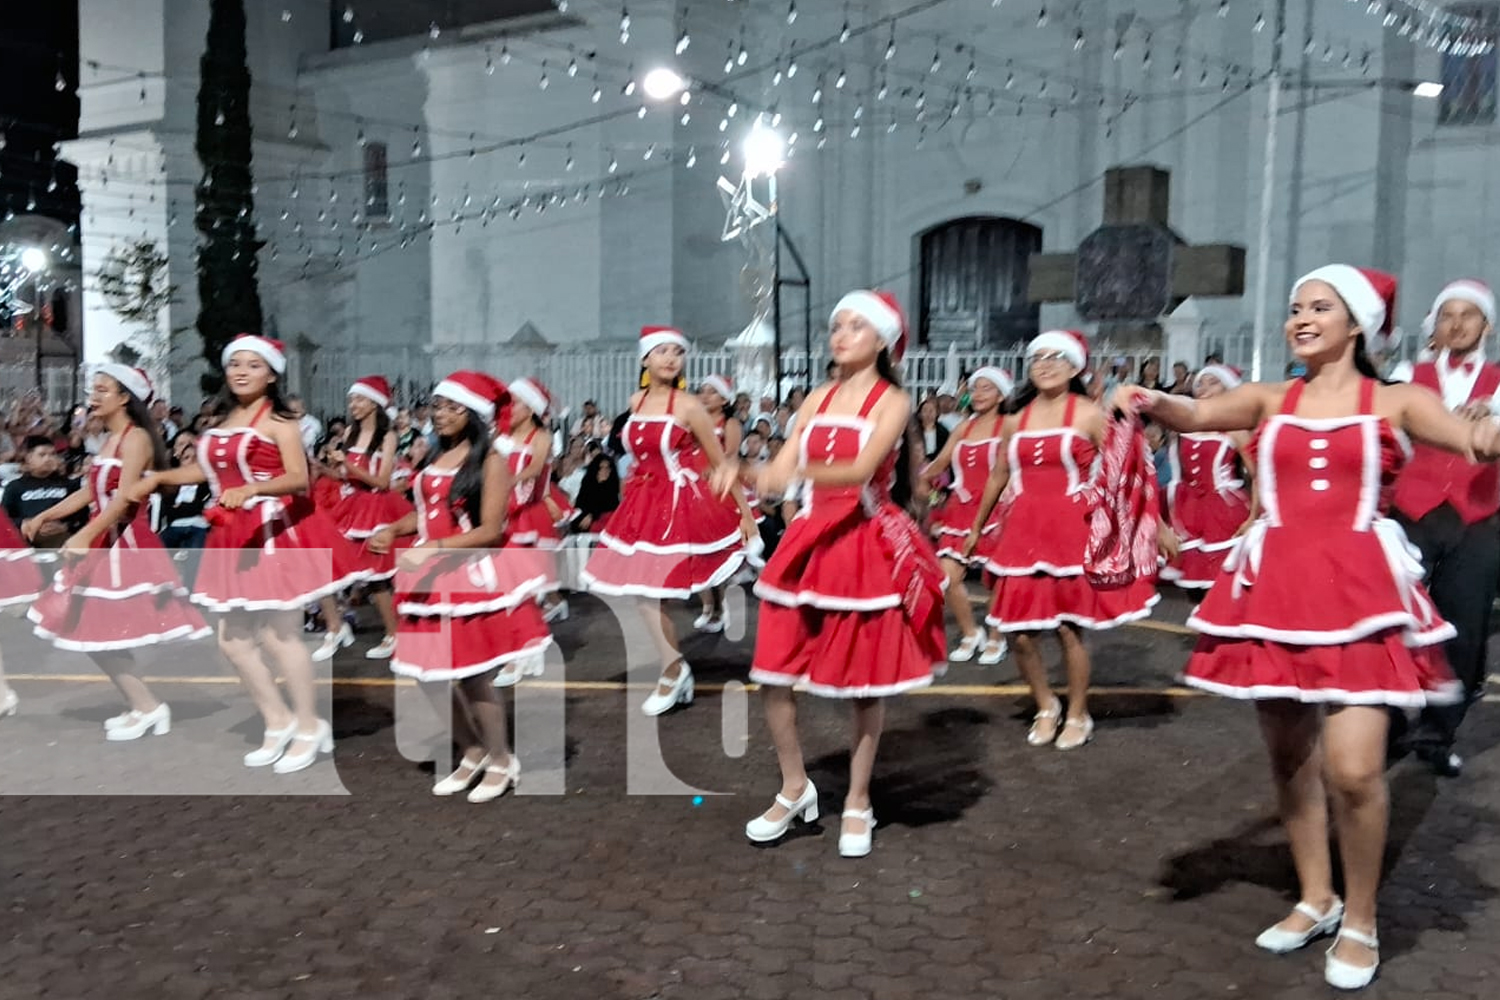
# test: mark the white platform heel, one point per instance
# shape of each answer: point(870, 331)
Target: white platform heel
point(157, 722)
point(679, 692)
point(805, 807)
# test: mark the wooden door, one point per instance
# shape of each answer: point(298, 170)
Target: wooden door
point(974, 283)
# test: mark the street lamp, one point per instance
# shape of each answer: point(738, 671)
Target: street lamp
point(34, 259)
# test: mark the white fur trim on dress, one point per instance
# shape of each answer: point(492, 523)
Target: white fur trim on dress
point(402, 668)
point(1082, 621)
point(1446, 695)
point(770, 678)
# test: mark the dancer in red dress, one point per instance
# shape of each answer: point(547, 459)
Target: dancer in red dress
point(851, 600)
point(717, 396)
point(1320, 614)
point(1045, 484)
point(1207, 501)
point(362, 465)
point(672, 536)
point(118, 588)
point(970, 454)
point(20, 582)
point(526, 446)
point(468, 608)
point(269, 552)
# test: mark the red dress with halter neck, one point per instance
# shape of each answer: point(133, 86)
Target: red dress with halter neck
point(125, 592)
point(852, 598)
point(276, 553)
point(1322, 599)
point(973, 459)
point(467, 611)
point(670, 536)
point(361, 510)
point(20, 577)
point(1037, 555)
point(1206, 503)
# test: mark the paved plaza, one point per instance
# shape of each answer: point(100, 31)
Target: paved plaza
point(1142, 865)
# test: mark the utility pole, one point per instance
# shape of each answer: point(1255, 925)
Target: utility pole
point(1267, 188)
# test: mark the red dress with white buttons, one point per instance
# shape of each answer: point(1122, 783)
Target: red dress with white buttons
point(670, 536)
point(529, 525)
point(362, 510)
point(697, 459)
point(1037, 556)
point(973, 459)
point(20, 579)
point(1322, 599)
point(1207, 504)
point(125, 592)
point(852, 598)
point(275, 553)
point(467, 611)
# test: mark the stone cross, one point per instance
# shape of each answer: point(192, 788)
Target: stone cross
point(1134, 269)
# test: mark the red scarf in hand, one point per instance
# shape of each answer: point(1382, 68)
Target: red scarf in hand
point(1123, 522)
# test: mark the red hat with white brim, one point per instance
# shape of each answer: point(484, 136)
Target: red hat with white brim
point(270, 350)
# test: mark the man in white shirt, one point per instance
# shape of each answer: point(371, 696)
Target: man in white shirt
point(309, 425)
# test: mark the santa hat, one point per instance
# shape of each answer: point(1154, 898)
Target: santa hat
point(881, 310)
point(374, 388)
point(1469, 290)
point(135, 381)
point(998, 377)
point(1369, 294)
point(721, 385)
point(479, 392)
point(272, 352)
point(653, 337)
point(1429, 328)
point(1069, 343)
point(531, 392)
point(1228, 376)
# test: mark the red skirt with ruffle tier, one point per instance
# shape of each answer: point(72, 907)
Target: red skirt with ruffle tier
point(274, 554)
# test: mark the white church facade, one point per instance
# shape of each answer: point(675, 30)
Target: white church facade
point(424, 195)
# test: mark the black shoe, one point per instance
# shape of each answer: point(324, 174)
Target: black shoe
point(1444, 762)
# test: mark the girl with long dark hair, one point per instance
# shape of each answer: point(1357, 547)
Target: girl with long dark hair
point(468, 616)
point(363, 463)
point(969, 454)
point(1320, 615)
point(852, 598)
point(269, 552)
point(119, 589)
point(671, 536)
point(1037, 555)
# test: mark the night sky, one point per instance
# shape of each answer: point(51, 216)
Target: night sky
point(37, 41)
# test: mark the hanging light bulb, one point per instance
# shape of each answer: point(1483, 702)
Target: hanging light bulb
point(776, 77)
point(723, 124)
point(733, 109)
point(489, 63)
point(683, 41)
point(818, 125)
point(614, 164)
point(1223, 8)
point(359, 36)
point(61, 83)
point(791, 12)
point(572, 67)
point(971, 72)
point(542, 81)
point(219, 118)
point(791, 67)
point(890, 47)
point(854, 132)
point(844, 31)
point(1260, 23)
point(729, 59)
point(624, 26)
point(692, 158)
point(937, 62)
point(641, 111)
point(880, 94)
point(505, 53)
point(859, 111)
point(1041, 17)
point(817, 95)
point(597, 95)
point(840, 80)
point(286, 15)
point(433, 31)
point(1079, 41)
point(742, 55)
point(348, 14)
point(650, 152)
point(1010, 79)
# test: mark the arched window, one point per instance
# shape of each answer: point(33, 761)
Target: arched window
point(974, 282)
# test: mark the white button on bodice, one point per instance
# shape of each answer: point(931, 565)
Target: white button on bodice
point(1320, 484)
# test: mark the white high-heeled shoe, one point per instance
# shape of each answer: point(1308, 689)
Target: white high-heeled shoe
point(679, 691)
point(1075, 733)
point(8, 703)
point(1279, 940)
point(333, 642)
point(556, 612)
point(857, 845)
point(318, 741)
point(488, 793)
point(278, 740)
point(703, 619)
point(1344, 975)
point(462, 777)
point(967, 647)
point(382, 650)
point(1034, 736)
point(994, 651)
point(157, 722)
point(717, 623)
point(805, 807)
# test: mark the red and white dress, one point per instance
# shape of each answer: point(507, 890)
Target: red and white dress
point(972, 461)
point(275, 553)
point(125, 592)
point(529, 525)
point(463, 612)
point(1207, 504)
point(1322, 599)
point(852, 598)
point(1037, 555)
point(697, 459)
point(362, 510)
point(20, 578)
point(670, 536)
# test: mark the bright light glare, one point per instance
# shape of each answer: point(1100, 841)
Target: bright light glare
point(764, 149)
point(662, 83)
point(33, 258)
point(1428, 89)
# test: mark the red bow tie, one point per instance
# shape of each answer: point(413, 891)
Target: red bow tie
point(1467, 367)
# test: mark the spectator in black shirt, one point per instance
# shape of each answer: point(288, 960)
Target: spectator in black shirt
point(41, 485)
point(182, 522)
